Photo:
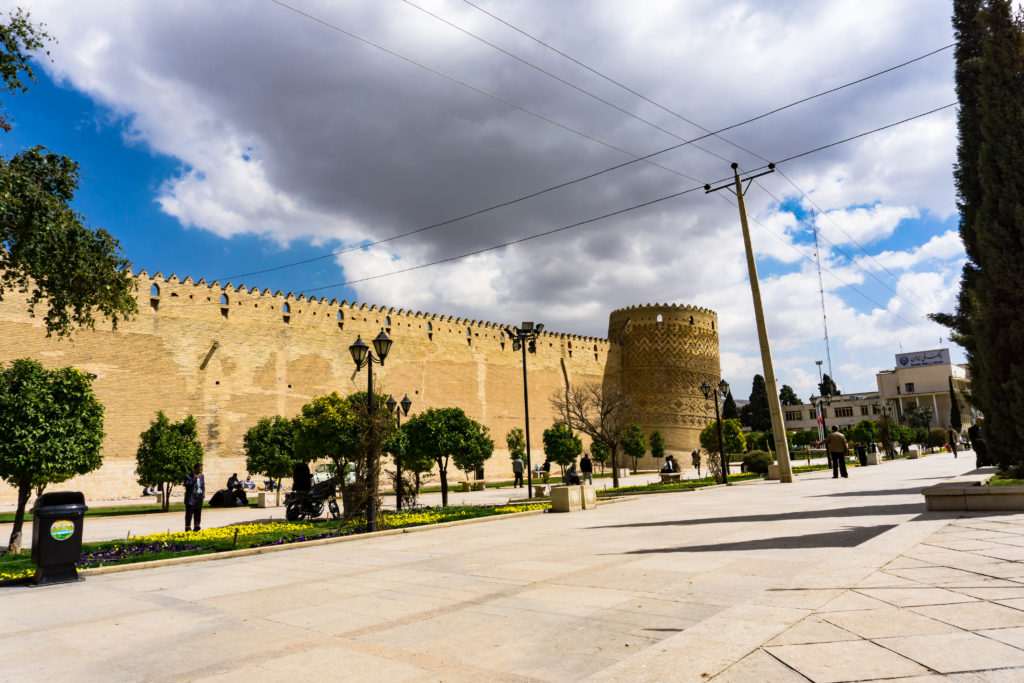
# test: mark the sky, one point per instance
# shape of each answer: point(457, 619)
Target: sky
point(218, 140)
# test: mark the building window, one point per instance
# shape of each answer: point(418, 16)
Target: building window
point(793, 415)
point(844, 412)
point(909, 386)
point(863, 410)
point(875, 410)
point(811, 415)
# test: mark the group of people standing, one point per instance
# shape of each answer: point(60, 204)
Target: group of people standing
point(573, 476)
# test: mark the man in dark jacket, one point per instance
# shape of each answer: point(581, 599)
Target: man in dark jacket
point(195, 491)
point(974, 433)
point(587, 469)
point(517, 470)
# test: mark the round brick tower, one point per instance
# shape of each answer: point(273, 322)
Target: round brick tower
point(666, 352)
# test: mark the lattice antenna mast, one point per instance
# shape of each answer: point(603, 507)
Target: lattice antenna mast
point(821, 291)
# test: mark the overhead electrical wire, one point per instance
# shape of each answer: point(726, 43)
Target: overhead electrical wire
point(594, 219)
point(527, 196)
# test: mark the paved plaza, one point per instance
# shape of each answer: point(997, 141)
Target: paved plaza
point(824, 580)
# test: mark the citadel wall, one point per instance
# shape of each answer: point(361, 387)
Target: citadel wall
point(230, 355)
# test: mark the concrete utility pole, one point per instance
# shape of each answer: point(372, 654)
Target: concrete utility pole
point(774, 406)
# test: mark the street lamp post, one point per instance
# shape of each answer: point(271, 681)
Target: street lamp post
point(524, 338)
point(723, 389)
point(362, 356)
point(393, 408)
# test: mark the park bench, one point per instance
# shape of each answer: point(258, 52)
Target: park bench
point(668, 477)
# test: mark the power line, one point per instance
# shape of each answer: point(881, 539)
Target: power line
point(531, 195)
point(841, 251)
point(680, 116)
point(835, 223)
point(481, 91)
point(558, 78)
point(598, 218)
point(694, 123)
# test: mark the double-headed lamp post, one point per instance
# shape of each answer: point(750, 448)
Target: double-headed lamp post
point(524, 338)
point(363, 357)
point(393, 408)
point(723, 389)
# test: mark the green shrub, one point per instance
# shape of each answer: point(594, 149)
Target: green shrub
point(937, 438)
point(757, 461)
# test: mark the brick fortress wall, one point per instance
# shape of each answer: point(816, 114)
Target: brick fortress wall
point(231, 355)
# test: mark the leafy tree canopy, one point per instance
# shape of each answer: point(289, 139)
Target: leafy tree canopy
point(788, 397)
point(51, 428)
point(828, 387)
point(732, 437)
point(448, 435)
point(327, 428)
point(168, 452)
point(865, 432)
point(270, 447)
point(729, 409)
point(516, 442)
point(760, 416)
point(18, 40)
point(657, 445)
point(918, 417)
point(561, 446)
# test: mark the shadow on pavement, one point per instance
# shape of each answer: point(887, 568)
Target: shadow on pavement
point(883, 492)
point(856, 511)
point(832, 539)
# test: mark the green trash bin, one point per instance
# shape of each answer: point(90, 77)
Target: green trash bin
point(57, 536)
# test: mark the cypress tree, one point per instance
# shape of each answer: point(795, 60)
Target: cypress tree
point(729, 409)
point(760, 417)
point(996, 320)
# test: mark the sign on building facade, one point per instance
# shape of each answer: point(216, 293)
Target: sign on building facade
point(918, 359)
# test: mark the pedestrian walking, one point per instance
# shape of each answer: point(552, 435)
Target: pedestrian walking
point(587, 469)
point(953, 437)
point(195, 491)
point(837, 448)
point(517, 470)
point(695, 460)
point(977, 437)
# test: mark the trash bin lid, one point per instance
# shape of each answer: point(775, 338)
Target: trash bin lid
point(59, 498)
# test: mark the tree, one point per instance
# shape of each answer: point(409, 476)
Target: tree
point(827, 387)
point(51, 428)
point(996, 323)
point(937, 438)
point(886, 435)
point(805, 437)
point(746, 415)
point(732, 437)
point(760, 416)
point(343, 430)
point(516, 442)
point(918, 416)
point(270, 449)
point(561, 446)
point(657, 445)
point(634, 443)
point(445, 435)
point(597, 411)
point(955, 421)
point(599, 453)
point(729, 409)
point(788, 397)
point(864, 432)
point(18, 40)
point(413, 464)
point(168, 452)
point(46, 249)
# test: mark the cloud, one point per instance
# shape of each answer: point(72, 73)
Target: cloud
point(292, 131)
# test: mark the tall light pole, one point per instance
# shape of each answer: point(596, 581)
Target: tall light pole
point(363, 357)
point(524, 338)
point(393, 408)
point(774, 406)
point(723, 389)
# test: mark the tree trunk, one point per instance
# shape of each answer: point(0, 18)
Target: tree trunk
point(278, 503)
point(444, 485)
point(615, 467)
point(24, 491)
point(167, 496)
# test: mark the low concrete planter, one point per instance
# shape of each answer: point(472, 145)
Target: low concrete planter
point(913, 453)
point(874, 458)
point(589, 497)
point(266, 499)
point(773, 472)
point(566, 498)
point(969, 494)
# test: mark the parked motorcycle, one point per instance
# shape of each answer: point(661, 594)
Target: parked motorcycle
point(310, 505)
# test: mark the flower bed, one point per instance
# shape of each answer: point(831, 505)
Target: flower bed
point(220, 539)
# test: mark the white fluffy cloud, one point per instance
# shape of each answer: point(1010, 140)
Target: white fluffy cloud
point(290, 130)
